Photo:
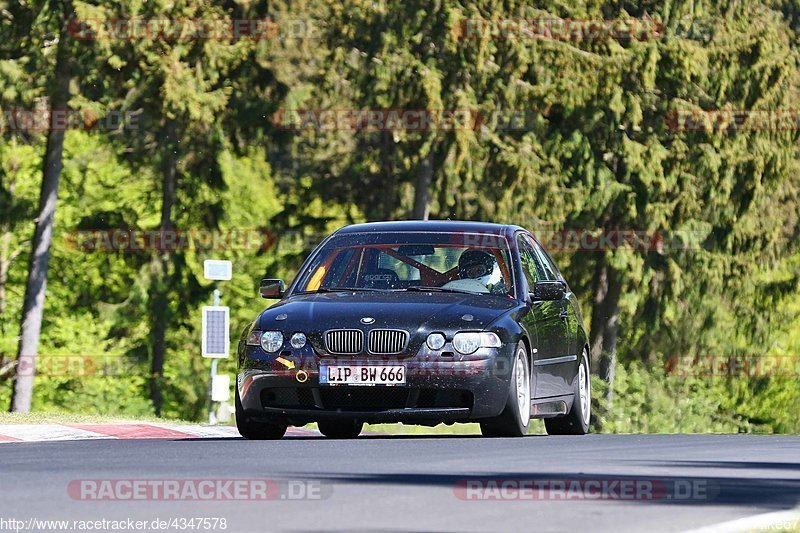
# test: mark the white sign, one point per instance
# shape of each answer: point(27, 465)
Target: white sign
point(221, 388)
point(216, 331)
point(215, 269)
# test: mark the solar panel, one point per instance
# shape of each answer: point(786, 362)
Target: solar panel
point(217, 269)
point(216, 331)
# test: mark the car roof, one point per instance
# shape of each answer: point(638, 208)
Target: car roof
point(457, 226)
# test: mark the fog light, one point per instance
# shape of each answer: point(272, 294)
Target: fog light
point(435, 341)
point(298, 340)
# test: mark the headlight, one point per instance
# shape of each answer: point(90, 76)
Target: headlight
point(271, 341)
point(435, 341)
point(254, 338)
point(469, 342)
point(298, 340)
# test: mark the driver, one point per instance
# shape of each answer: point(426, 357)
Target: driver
point(478, 272)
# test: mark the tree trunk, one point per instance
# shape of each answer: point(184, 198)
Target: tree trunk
point(33, 304)
point(159, 301)
point(388, 150)
point(650, 317)
point(605, 313)
point(422, 191)
point(5, 263)
point(6, 258)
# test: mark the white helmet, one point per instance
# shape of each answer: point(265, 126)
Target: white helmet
point(479, 265)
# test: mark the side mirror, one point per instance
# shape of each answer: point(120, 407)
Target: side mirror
point(272, 288)
point(548, 291)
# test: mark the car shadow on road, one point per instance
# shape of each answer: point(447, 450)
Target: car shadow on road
point(364, 437)
point(772, 493)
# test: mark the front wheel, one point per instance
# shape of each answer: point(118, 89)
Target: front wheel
point(577, 421)
point(252, 430)
point(516, 417)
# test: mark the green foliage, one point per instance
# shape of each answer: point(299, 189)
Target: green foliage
point(595, 151)
point(649, 401)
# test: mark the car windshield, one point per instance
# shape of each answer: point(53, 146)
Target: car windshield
point(411, 261)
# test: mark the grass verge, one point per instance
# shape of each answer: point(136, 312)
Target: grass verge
point(72, 418)
point(536, 428)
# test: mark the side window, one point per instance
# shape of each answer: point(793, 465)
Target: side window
point(548, 268)
point(530, 266)
point(551, 264)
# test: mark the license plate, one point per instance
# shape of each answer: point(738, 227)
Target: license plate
point(364, 375)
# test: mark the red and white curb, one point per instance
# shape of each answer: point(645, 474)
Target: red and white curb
point(60, 432)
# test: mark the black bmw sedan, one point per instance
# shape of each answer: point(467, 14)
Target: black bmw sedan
point(421, 323)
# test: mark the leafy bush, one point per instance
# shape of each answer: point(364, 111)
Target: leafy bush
point(648, 401)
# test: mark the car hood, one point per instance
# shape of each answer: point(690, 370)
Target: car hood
point(417, 312)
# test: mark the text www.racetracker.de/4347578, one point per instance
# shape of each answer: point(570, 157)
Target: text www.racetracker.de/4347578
point(201, 523)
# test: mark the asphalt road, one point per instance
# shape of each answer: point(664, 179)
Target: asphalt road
point(411, 483)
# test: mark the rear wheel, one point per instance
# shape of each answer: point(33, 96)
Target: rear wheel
point(515, 418)
point(340, 429)
point(253, 430)
point(577, 421)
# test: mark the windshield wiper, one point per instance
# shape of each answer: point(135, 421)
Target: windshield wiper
point(343, 289)
point(423, 288)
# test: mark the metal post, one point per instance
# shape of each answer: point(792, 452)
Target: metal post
point(212, 419)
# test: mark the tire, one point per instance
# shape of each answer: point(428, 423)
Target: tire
point(576, 422)
point(257, 430)
point(340, 429)
point(516, 416)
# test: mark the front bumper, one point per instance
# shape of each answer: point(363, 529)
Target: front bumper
point(438, 389)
